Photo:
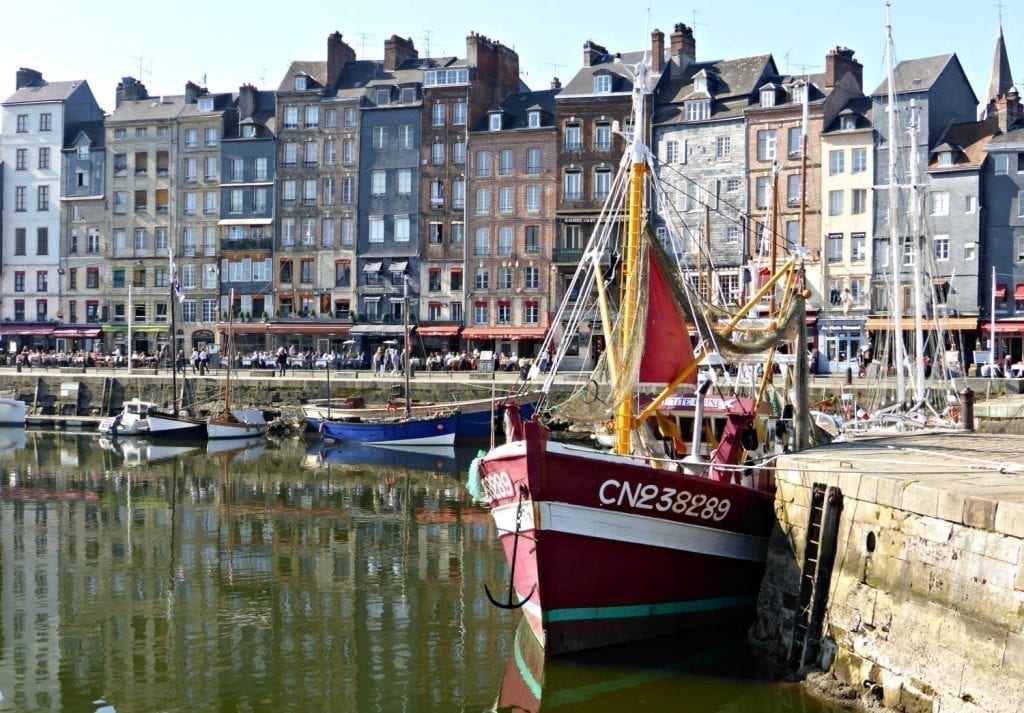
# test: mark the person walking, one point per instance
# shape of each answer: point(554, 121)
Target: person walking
point(282, 361)
point(204, 361)
point(195, 360)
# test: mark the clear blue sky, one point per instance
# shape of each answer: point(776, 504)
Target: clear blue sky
point(231, 42)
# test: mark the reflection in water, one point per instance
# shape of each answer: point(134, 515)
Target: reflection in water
point(263, 577)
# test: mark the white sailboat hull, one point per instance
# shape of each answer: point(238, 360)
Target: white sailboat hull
point(12, 412)
point(248, 423)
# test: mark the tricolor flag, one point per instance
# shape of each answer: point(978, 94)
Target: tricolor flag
point(174, 277)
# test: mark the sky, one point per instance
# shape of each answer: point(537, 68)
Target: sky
point(227, 43)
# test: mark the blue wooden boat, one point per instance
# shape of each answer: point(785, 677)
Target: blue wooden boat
point(432, 458)
point(433, 430)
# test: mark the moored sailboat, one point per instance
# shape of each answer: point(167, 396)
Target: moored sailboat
point(234, 422)
point(657, 535)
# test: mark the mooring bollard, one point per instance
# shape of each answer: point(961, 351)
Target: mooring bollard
point(967, 400)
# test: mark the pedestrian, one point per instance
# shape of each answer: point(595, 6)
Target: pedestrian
point(179, 363)
point(282, 361)
point(195, 360)
point(204, 361)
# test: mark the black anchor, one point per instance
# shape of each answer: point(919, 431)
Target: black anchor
point(510, 604)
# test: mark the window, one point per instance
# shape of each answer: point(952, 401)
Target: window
point(494, 122)
point(22, 123)
point(480, 313)
point(1002, 163)
point(573, 186)
point(970, 205)
point(291, 114)
point(762, 189)
point(732, 234)
point(767, 97)
point(42, 198)
point(506, 162)
point(938, 204)
point(835, 247)
point(969, 250)
point(602, 136)
point(19, 280)
point(435, 233)
point(312, 116)
point(45, 121)
point(437, 112)
point(19, 241)
point(483, 163)
point(858, 247)
point(330, 152)
point(402, 231)
point(483, 201)
point(698, 110)
point(310, 153)
point(378, 182)
point(533, 161)
point(793, 189)
point(351, 116)
point(437, 153)
point(348, 151)
point(331, 118)
point(482, 245)
point(766, 145)
point(383, 95)
point(506, 199)
point(671, 151)
point(941, 243)
point(41, 281)
point(603, 84)
point(191, 168)
point(459, 113)
point(482, 280)
point(859, 201)
point(210, 168)
point(291, 153)
point(140, 239)
point(237, 200)
point(309, 230)
point(212, 135)
point(858, 160)
point(835, 202)
point(44, 157)
point(836, 162)
point(405, 135)
point(458, 234)
point(602, 183)
point(723, 146)
point(191, 138)
point(795, 141)
point(380, 138)
point(533, 199)
point(21, 159)
point(505, 246)
point(533, 119)
point(531, 277)
point(376, 228)
point(573, 137)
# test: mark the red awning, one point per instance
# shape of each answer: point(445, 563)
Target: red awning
point(28, 330)
point(76, 332)
point(1018, 294)
point(504, 332)
point(1000, 292)
point(438, 330)
point(1004, 327)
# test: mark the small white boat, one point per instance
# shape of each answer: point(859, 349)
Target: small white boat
point(131, 420)
point(12, 412)
point(238, 423)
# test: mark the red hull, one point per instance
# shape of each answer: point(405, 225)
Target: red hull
point(614, 550)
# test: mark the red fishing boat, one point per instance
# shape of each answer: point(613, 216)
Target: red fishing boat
point(662, 533)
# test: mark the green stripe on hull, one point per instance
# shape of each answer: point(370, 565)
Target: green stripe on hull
point(646, 610)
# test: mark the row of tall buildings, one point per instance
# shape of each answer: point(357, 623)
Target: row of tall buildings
point(313, 213)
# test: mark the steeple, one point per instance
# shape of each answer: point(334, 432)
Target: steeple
point(1002, 80)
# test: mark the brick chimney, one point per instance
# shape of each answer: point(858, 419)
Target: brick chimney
point(592, 53)
point(683, 46)
point(397, 50)
point(338, 53)
point(556, 83)
point(246, 101)
point(1007, 110)
point(657, 51)
point(840, 62)
point(129, 89)
point(26, 77)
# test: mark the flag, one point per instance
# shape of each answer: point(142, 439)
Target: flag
point(175, 285)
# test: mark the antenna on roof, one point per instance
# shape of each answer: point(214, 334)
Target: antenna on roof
point(554, 67)
point(426, 43)
point(143, 69)
point(796, 65)
point(363, 37)
point(694, 23)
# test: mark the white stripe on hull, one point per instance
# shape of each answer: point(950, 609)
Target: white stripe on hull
point(629, 527)
point(442, 439)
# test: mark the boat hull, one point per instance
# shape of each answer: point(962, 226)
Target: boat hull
point(12, 412)
point(433, 431)
point(476, 416)
point(247, 423)
point(168, 427)
point(612, 550)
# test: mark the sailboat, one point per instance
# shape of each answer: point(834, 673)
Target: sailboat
point(436, 428)
point(648, 539)
point(174, 425)
point(234, 423)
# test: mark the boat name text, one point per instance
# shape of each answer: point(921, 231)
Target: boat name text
point(498, 485)
point(650, 497)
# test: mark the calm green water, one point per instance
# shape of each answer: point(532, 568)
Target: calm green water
point(277, 577)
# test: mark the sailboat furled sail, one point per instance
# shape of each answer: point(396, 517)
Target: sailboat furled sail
point(667, 338)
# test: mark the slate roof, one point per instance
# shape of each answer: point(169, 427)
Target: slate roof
point(619, 66)
point(916, 75)
point(47, 92)
point(967, 141)
point(516, 108)
point(148, 109)
point(858, 107)
point(1001, 80)
point(731, 82)
point(92, 129)
point(315, 70)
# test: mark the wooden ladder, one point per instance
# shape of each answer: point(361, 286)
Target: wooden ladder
point(816, 574)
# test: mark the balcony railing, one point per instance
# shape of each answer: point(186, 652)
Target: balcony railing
point(247, 244)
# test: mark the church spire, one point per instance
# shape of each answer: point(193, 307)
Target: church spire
point(1002, 81)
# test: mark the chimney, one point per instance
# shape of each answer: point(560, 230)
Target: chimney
point(840, 62)
point(192, 92)
point(592, 53)
point(1007, 109)
point(683, 46)
point(26, 77)
point(129, 89)
point(397, 50)
point(657, 51)
point(556, 83)
point(338, 54)
point(246, 101)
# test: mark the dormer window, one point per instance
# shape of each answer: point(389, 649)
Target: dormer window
point(383, 96)
point(603, 84)
point(700, 82)
point(848, 123)
point(698, 110)
point(767, 97)
point(534, 119)
point(300, 82)
point(946, 158)
point(494, 122)
point(799, 93)
point(83, 151)
point(206, 104)
point(408, 95)
point(249, 131)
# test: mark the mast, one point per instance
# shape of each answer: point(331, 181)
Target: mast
point(894, 252)
point(918, 254)
point(174, 338)
point(405, 344)
point(231, 340)
point(631, 257)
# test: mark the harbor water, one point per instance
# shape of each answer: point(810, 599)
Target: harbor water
point(292, 576)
